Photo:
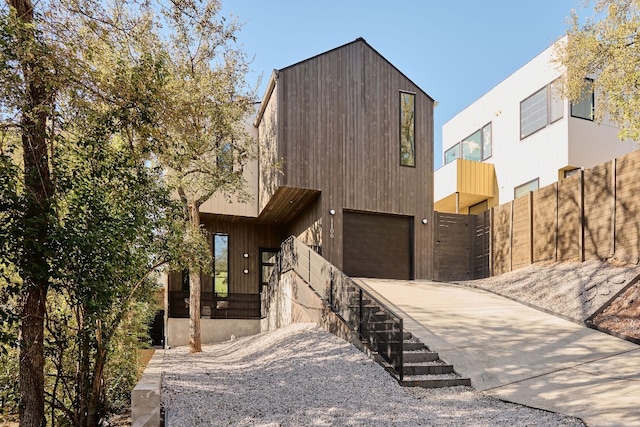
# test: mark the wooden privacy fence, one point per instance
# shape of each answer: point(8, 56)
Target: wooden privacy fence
point(593, 214)
point(461, 246)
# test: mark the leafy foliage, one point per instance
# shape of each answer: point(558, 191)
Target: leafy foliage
point(607, 46)
point(106, 108)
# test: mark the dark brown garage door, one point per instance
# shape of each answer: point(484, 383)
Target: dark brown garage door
point(378, 246)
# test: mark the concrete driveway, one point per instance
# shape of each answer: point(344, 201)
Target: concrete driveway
point(520, 354)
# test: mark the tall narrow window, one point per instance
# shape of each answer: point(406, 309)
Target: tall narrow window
point(184, 278)
point(268, 258)
point(407, 129)
point(221, 264)
point(583, 108)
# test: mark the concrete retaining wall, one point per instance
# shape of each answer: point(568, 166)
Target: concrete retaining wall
point(295, 302)
point(145, 397)
point(211, 330)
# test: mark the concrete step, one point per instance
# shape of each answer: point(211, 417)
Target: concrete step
point(427, 368)
point(413, 345)
point(419, 356)
point(435, 381)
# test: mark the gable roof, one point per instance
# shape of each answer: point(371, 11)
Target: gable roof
point(275, 73)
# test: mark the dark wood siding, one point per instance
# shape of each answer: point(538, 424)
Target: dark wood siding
point(338, 132)
point(244, 237)
point(378, 246)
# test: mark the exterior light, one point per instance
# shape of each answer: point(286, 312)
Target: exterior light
point(424, 220)
point(332, 211)
point(245, 271)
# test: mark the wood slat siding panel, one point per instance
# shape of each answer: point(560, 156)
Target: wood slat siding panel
point(269, 177)
point(628, 208)
point(453, 246)
point(569, 218)
point(501, 235)
point(481, 245)
point(339, 131)
point(521, 233)
point(243, 237)
point(308, 226)
point(545, 216)
point(598, 212)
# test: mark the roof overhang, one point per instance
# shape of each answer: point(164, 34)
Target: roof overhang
point(286, 204)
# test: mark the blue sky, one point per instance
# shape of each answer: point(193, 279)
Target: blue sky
point(455, 50)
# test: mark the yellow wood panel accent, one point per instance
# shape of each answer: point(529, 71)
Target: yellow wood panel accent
point(475, 178)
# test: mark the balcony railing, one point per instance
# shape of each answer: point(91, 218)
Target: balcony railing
point(212, 306)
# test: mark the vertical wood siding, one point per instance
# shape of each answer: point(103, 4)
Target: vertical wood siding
point(339, 131)
point(244, 237)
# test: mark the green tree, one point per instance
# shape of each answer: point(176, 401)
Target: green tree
point(203, 144)
point(95, 100)
point(73, 75)
point(606, 46)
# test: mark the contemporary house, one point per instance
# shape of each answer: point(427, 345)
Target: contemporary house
point(520, 136)
point(345, 164)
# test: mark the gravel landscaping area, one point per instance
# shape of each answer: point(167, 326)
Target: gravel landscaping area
point(303, 376)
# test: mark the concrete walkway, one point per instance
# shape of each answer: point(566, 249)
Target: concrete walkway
point(520, 354)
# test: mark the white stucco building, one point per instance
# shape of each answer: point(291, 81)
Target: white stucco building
point(520, 136)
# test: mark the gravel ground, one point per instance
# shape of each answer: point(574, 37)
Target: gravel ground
point(303, 376)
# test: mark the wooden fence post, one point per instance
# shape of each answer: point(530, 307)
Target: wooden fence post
point(581, 220)
point(613, 206)
point(511, 238)
point(491, 229)
point(530, 227)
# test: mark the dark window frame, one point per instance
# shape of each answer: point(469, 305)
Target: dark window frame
point(263, 281)
point(413, 130)
point(213, 252)
point(459, 145)
point(593, 104)
point(549, 100)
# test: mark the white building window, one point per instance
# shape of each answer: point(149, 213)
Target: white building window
point(583, 108)
point(478, 146)
point(524, 189)
point(541, 109)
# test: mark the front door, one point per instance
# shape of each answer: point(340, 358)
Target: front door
point(268, 260)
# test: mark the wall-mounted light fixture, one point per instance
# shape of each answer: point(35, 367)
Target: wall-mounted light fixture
point(424, 220)
point(246, 255)
point(245, 271)
point(332, 212)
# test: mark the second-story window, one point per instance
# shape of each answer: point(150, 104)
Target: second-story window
point(407, 129)
point(478, 146)
point(541, 109)
point(583, 108)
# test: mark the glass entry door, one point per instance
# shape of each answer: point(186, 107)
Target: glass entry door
point(268, 260)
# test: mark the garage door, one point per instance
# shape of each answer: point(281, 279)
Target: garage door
point(378, 246)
